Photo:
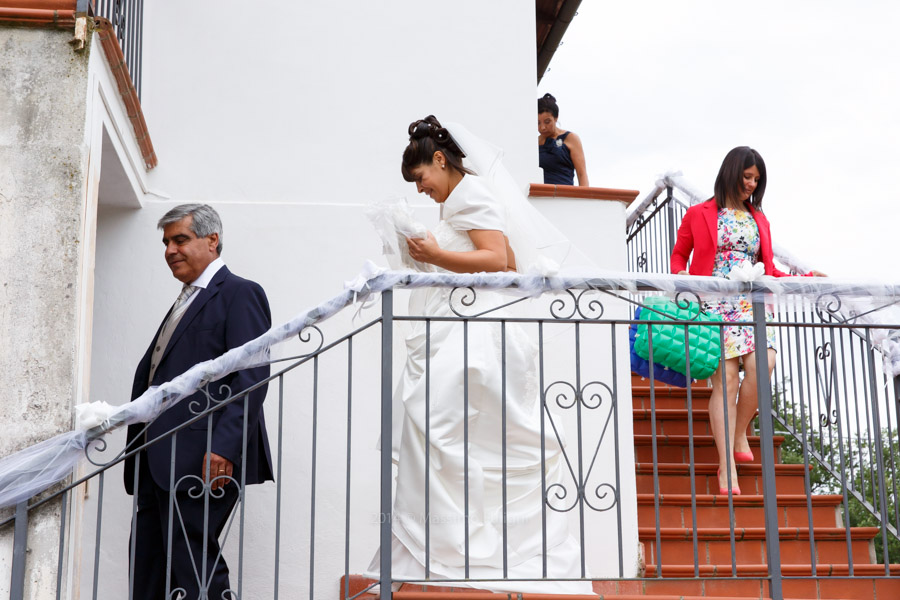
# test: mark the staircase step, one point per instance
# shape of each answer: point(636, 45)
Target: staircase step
point(712, 510)
point(674, 478)
point(787, 570)
point(754, 586)
point(714, 544)
point(675, 448)
point(673, 420)
point(427, 592)
point(868, 583)
point(665, 396)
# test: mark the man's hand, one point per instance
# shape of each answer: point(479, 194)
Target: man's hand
point(219, 467)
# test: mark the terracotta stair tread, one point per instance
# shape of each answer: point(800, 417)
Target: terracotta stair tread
point(670, 413)
point(757, 533)
point(743, 500)
point(699, 440)
point(668, 391)
point(646, 468)
point(762, 570)
point(483, 595)
point(672, 597)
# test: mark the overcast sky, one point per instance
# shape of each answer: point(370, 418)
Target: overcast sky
point(813, 86)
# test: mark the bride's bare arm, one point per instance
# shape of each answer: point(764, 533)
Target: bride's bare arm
point(489, 254)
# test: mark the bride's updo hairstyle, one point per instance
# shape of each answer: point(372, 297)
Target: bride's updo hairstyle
point(427, 136)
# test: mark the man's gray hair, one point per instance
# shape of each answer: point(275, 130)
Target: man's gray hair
point(205, 220)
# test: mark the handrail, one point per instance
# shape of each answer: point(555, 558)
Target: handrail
point(63, 455)
point(694, 195)
point(623, 286)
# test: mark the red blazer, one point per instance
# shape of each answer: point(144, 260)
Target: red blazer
point(699, 233)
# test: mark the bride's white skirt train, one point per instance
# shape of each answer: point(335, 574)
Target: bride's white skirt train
point(482, 383)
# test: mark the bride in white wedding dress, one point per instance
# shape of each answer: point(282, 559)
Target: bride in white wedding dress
point(460, 387)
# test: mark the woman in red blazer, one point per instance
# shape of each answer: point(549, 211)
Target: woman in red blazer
point(721, 233)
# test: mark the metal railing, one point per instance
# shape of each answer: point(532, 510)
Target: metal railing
point(322, 518)
point(127, 17)
point(651, 237)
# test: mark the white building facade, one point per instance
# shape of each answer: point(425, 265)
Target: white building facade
point(288, 119)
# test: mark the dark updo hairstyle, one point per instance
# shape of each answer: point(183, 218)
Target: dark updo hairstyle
point(730, 180)
point(427, 136)
point(548, 104)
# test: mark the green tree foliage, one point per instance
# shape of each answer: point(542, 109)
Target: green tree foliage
point(856, 456)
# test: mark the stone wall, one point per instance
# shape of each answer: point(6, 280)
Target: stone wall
point(43, 156)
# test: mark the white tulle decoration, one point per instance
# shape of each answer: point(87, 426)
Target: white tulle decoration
point(32, 470)
point(747, 271)
point(93, 414)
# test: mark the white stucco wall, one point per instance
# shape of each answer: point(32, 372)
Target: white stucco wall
point(290, 124)
point(308, 102)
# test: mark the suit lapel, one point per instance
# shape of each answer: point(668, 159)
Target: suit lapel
point(203, 296)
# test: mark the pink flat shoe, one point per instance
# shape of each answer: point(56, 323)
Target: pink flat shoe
point(723, 491)
point(743, 457)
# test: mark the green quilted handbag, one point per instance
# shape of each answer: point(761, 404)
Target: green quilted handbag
point(668, 340)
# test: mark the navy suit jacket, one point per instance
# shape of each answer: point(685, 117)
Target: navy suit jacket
point(228, 313)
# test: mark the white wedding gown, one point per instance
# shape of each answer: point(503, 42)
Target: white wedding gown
point(470, 206)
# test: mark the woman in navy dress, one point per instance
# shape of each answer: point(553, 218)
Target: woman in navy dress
point(560, 151)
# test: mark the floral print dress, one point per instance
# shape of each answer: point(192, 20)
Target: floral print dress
point(738, 240)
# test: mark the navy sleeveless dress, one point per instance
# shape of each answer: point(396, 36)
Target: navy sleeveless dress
point(556, 161)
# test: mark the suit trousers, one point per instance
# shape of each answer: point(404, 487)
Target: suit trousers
point(151, 538)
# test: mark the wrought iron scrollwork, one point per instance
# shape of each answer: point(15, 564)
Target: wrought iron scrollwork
point(824, 373)
point(611, 496)
point(559, 492)
point(561, 304)
point(566, 495)
point(828, 307)
point(99, 446)
point(828, 419)
point(642, 261)
point(195, 487)
point(586, 307)
point(685, 298)
point(562, 398)
point(306, 336)
point(591, 310)
point(466, 298)
point(198, 406)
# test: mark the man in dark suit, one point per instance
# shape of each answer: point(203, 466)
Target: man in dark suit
point(215, 312)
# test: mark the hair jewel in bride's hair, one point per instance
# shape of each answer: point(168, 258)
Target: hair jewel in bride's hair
point(427, 136)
